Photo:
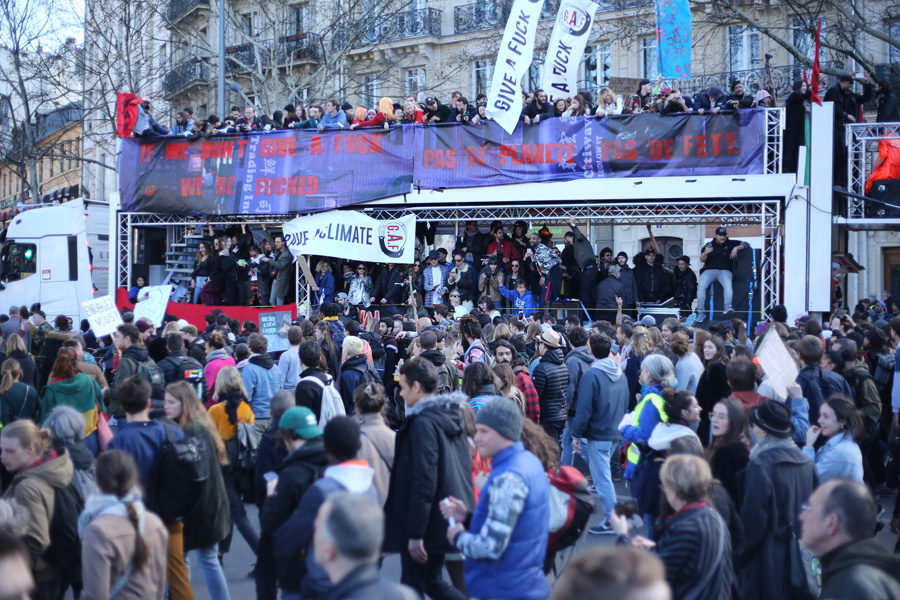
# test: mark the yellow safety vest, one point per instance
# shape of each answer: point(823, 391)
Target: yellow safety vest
point(634, 454)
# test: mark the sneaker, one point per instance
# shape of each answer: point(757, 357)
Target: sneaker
point(592, 489)
point(603, 528)
point(700, 318)
point(729, 313)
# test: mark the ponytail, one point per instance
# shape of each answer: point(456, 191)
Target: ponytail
point(12, 372)
point(117, 475)
point(140, 557)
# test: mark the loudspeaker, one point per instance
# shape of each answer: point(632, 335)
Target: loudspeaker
point(887, 190)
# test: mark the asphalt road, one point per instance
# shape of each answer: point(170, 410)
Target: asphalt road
point(240, 560)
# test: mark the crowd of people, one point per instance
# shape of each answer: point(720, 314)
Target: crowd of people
point(508, 270)
point(442, 438)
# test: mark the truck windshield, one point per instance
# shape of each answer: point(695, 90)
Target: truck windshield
point(19, 261)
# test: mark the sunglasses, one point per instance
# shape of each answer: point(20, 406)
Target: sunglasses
point(360, 270)
point(515, 264)
point(454, 295)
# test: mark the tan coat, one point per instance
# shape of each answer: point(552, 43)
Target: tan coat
point(377, 448)
point(34, 489)
point(106, 552)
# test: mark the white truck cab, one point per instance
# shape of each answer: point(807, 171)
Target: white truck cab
point(56, 255)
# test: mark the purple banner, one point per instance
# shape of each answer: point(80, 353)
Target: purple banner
point(296, 171)
point(265, 173)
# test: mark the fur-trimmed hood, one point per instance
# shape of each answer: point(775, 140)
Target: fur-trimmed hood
point(446, 410)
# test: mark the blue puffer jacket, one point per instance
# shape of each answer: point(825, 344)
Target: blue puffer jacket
point(518, 573)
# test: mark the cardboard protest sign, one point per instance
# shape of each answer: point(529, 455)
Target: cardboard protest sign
point(103, 315)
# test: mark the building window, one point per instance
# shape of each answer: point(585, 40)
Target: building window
point(415, 83)
point(535, 70)
point(482, 74)
point(743, 48)
point(301, 18)
point(74, 152)
point(806, 41)
point(371, 91)
point(596, 66)
point(649, 60)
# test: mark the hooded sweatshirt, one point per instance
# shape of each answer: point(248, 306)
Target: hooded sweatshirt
point(261, 379)
point(603, 398)
point(81, 393)
point(295, 535)
point(664, 433)
point(578, 361)
point(215, 362)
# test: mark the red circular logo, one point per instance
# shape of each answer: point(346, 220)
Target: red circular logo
point(149, 190)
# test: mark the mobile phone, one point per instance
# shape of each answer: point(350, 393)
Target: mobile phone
point(614, 348)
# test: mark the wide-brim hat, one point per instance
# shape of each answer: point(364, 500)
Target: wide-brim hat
point(551, 339)
point(773, 417)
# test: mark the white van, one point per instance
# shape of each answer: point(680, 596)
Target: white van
point(56, 255)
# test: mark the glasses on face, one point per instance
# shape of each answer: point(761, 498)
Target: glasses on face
point(361, 270)
point(515, 264)
point(454, 295)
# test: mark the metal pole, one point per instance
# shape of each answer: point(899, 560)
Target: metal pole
point(222, 58)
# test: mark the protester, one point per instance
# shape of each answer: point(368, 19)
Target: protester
point(40, 472)
point(551, 377)
point(657, 373)
point(840, 456)
point(505, 543)
point(209, 521)
point(349, 531)
point(713, 384)
point(262, 379)
point(123, 543)
point(18, 400)
point(777, 480)
point(431, 462)
point(622, 572)
point(729, 451)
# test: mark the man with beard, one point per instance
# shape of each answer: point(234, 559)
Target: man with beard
point(505, 353)
point(685, 286)
point(537, 109)
point(651, 278)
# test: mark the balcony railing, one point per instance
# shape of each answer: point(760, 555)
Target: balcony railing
point(754, 80)
point(299, 48)
point(405, 25)
point(483, 16)
point(248, 56)
point(402, 26)
point(178, 8)
point(185, 74)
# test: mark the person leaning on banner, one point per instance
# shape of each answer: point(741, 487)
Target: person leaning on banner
point(537, 109)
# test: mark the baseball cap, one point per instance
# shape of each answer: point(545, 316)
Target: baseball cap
point(721, 231)
point(430, 100)
point(301, 421)
point(343, 295)
point(189, 329)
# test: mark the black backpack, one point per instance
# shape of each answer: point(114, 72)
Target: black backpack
point(190, 370)
point(182, 472)
point(65, 544)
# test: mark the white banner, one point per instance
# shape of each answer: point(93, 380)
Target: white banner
point(103, 315)
point(513, 59)
point(354, 236)
point(152, 303)
point(570, 35)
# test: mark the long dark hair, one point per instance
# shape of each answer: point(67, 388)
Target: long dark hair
point(738, 427)
point(674, 402)
point(845, 410)
point(117, 474)
point(476, 375)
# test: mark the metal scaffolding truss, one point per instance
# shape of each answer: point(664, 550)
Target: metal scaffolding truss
point(763, 211)
point(774, 139)
point(862, 154)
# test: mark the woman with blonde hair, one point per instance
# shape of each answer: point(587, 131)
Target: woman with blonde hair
point(39, 470)
point(16, 350)
point(324, 283)
point(384, 116)
point(18, 400)
point(609, 103)
point(123, 552)
point(233, 408)
point(209, 521)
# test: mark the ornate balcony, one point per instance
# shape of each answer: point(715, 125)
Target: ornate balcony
point(186, 74)
point(405, 25)
point(483, 16)
point(249, 56)
point(299, 48)
point(754, 80)
point(179, 8)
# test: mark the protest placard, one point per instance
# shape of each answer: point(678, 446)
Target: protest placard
point(274, 326)
point(103, 315)
point(777, 363)
point(152, 304)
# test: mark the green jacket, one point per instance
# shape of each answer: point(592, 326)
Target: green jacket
point(81, 393)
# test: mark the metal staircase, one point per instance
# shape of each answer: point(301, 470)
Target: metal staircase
point(180, 257)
